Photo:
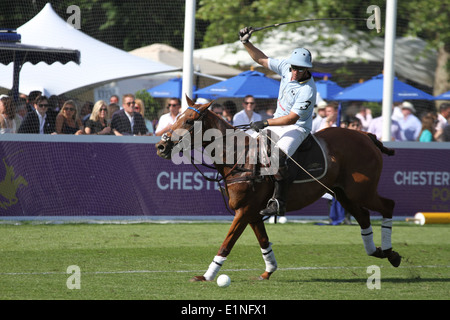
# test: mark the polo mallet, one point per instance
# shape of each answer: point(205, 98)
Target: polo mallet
point(377, 21)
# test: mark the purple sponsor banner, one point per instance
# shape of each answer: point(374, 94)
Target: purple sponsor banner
point(417, 179)
point(100, 179)
point(60, 178)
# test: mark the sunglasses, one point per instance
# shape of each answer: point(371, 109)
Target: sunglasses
point(103, 109)
point(43, 105)
point(172, 105)
point(297, 68)
point(69, 109)
point(132, 103)
point(249, 102)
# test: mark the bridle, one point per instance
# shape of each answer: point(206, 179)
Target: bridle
point(166, 138)
point(235, 168)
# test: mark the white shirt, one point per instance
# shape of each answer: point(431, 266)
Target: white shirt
point(397, 114)
point(241, 118)
point(164, 121)
point(316, 123)
point(365, 122)
point(410, 128)
point(41, 121)
point(131, 119)
point(376, 127)
point(441, 122)
point(324, 124)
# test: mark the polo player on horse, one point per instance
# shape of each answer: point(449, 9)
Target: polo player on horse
point(292, 121)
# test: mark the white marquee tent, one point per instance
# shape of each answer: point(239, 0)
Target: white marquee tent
point(174, 57)
point(412, 61)
point(100, 63)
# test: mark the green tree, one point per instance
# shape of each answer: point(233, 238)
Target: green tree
point(429, 19)
point(152, 107)
point(423, 18)
point(125, 25)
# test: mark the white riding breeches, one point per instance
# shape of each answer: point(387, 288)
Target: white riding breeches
point(288, 138)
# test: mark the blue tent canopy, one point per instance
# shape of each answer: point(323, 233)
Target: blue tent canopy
point(246, 83)
point(169, 89)
point(328, 89)
point(444, 96)
point(372, 90)
point(321, 74)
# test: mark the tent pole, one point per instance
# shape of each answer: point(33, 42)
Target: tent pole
point(17, 66)
point(388, 77)
point(188, 51)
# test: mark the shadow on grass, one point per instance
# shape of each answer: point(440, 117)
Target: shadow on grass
point(364, 280)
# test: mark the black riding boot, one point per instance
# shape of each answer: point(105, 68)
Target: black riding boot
point(277, 204)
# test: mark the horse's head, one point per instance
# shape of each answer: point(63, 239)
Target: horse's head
point(183, 124)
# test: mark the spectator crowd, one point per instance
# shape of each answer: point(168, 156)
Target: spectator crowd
point(406, 123)
point(39, 114)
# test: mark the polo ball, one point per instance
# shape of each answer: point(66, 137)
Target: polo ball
point(282, 220)
point(223, 281)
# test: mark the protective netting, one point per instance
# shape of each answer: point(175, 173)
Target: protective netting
point(78, 177)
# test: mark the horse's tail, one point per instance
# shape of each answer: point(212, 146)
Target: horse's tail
point(379, 144)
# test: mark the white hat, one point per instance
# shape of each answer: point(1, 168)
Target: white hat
point(408, 105)
point(321, 105)
point(201, 101)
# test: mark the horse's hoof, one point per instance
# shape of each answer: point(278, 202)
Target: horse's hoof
point(395, 259)
point(379, 253)
point(265, 276)
point(197, 279)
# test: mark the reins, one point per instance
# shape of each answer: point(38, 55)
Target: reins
point(217, 179)
point(235, 167)
point(247, 126)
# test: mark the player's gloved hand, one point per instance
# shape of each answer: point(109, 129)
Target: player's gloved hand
point(245, 34)
point(259, 125)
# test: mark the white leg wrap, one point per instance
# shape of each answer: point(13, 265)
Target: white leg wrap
point(214, 267)
point(367, 237)
point(386, 233)
point(269, 258)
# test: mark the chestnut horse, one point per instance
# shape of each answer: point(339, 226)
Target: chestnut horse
point(354, 167)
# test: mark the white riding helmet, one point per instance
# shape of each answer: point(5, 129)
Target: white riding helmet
point(300, 57)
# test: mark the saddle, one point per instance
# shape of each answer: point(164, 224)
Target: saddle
point(310, 155)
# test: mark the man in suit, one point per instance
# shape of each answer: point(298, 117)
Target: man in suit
point(39, 120)
point(31, 98)
point(126, 121)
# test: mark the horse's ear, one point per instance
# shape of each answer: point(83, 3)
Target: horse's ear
point(189, 101)
point(206, 106)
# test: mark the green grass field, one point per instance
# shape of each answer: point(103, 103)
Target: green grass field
point(156, 261)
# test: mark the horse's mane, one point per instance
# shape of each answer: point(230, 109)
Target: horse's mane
point(217, 122)
point(220, 119)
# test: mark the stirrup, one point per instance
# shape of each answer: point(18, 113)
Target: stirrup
point(269, 203)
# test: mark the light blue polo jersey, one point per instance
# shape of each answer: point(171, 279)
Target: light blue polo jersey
point(299, 97)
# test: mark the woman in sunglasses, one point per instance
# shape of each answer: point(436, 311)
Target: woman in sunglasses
point(98, 121)
point(67, 120)
point(292, 120)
